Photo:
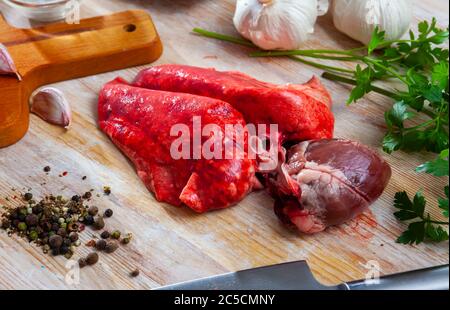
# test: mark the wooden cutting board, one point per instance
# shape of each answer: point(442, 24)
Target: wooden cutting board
point(62, 51)
point(173, 244)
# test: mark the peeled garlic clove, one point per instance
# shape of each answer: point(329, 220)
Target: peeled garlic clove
point(7, 65)
point(50, 104)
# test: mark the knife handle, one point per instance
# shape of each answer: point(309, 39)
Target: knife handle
point(435, 278)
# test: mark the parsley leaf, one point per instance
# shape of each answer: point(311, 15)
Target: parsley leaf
point(422, 229)
point(438, 167)
point(376, 40)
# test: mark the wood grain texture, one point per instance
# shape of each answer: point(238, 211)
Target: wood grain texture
point(59, 52)
point(173, 244)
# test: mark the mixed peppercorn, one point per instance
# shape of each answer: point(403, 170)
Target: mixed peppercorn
point(55, 222)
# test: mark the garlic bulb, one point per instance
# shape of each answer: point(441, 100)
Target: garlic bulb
point(50, 104)
point(278, 24)
point(358, 18)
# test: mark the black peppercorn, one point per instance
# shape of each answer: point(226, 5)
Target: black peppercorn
point(64, 250)
point(92, 259)
point(100, 245)
point(134, 273)
point(6, 224)
point(108, 213)
point(99, 223)
point(76, 198)
point(73, 236)
point(105, 234)
point(82, 262)
point(89, 220)
point(55, 241)
point(37, 209)
point(28, 196)
point(55, 251)
point(93, 210)
point(47, 169)
point(31, 219)
point(111, 246)
point(67, 242)
point(87, 195)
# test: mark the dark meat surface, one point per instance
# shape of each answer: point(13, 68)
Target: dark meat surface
point(302, 112)
point(326, 182)
point(139, 122)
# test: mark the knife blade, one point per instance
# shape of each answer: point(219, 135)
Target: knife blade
point(298, 276)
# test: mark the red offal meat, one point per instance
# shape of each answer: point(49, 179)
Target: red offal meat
point(302, 112)
point(139, 122)
point(327, 182)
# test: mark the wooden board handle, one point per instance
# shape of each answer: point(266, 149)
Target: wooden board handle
point(60, 52)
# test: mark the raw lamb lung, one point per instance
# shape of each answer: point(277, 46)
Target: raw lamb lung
point(302, 112)
point(139, 122)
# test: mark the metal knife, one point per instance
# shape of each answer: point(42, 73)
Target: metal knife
point(298, 276)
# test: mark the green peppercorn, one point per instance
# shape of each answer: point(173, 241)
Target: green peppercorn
point(33, 235)
point(68, 255)
point(107, 190)
point(127, 238)
point(22, 226)
point(115, 234)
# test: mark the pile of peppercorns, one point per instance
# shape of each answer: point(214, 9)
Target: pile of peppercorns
point(54, 222)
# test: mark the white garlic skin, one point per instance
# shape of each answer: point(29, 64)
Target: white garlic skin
point(7, 66)
point(277, 24)
point(358, 18)
point(50, 104)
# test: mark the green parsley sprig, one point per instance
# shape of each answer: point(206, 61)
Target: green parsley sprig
point(423, 227)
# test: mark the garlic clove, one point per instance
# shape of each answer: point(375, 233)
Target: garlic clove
point(50, 104)
point(322, 7)
point(7, 65)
